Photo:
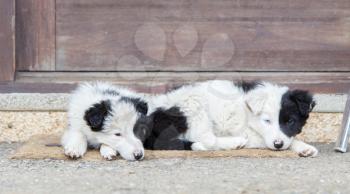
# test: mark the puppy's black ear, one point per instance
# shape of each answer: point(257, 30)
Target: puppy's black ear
point(304, 101)
point(142, 107)
point(95, 116)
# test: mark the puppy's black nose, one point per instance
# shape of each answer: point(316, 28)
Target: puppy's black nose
point(278, 144)
point(138, 155)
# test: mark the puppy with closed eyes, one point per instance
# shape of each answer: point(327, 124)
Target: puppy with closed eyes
point(102, 116)
point(115, 120)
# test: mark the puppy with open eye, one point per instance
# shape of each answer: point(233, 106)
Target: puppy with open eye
point(102, 116)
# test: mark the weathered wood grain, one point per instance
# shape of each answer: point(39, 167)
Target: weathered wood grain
point(14, 87)
point(267, 35)
point(7, 40)
point(157, 82)
point(35, 35)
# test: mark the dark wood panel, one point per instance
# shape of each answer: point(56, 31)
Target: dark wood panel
point(35, 35)
point(7, 40)
point(146, 35)
point(15, 87)
point(156, 82)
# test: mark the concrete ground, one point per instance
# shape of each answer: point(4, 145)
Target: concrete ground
point(328, 173)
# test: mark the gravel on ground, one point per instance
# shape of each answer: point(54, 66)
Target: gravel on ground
point(328, 173)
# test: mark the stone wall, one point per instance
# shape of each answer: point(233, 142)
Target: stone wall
point(20, 125)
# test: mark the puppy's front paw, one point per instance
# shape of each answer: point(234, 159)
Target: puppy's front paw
point(240, 142)
point(227, 143)
point(75, 151)
point(308, 151)
point(74, 144)
point(198, 146)
point(303, 149)
point(108, 153)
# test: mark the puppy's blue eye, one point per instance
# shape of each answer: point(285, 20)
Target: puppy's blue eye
point(118, 134)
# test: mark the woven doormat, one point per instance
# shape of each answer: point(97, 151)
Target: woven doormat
point(47, 147)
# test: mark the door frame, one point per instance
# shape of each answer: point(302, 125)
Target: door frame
point(7, 40)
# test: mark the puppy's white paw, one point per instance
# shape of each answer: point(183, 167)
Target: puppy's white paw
point(226, 143)
point(75, 151)
point(240, 142)
point(198, 146)
point(108, 153)
point(308, 151)
point(303, 149)
point(74, 144)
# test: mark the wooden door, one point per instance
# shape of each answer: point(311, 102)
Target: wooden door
point(307, 40)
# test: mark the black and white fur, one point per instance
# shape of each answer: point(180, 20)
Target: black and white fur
point(103, 116)
point(224, 115)
point(162, 128)
point(210, 115)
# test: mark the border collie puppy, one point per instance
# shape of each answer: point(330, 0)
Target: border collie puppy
point(219, 115)
point(103, 116)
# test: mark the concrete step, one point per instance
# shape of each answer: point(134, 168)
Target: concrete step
point(25, 114)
